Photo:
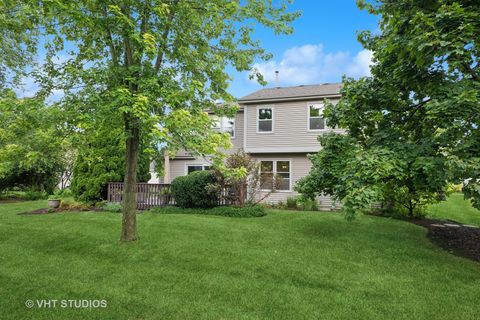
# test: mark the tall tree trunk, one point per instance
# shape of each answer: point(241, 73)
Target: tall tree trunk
point(129, 221)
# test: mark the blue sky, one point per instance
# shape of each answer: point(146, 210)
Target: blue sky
point(322, 48)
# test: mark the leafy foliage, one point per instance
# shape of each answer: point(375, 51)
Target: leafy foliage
point(291, 202)
point(101, 159)
point(240, 177)
point(112, 207)
point(226, 211)
point(192, 191)
point(31, 144)
point(157, 64)
point(18, 43)
point(242, 172)
point(413, 126)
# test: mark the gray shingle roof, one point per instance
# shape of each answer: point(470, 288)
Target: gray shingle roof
point(299, 92)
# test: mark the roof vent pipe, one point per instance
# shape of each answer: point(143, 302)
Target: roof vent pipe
point(277, 84)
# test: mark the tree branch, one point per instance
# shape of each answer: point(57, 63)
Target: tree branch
point(417, 107)
point(471, 72)
point(111, 44)
point(163, 47)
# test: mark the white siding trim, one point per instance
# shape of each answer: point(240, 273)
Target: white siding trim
point(284, 149)
point(234, 127)
point(195, 164)
point(308, 118)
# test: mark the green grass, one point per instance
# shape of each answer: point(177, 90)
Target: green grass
point(286, 265)
point(455, 208)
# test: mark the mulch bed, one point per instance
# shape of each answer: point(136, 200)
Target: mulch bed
point(10, 201)
point(49, 210)
point(458, 239)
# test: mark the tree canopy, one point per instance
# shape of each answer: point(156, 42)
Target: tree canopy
point(413, 125)
point(100, 159)
point(31, 143)
point(157, 63)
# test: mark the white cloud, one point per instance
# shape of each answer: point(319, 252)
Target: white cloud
point(311, 64)
point(360, 65)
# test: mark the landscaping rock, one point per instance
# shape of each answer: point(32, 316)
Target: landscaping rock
point(437, 225)
point(461, 240)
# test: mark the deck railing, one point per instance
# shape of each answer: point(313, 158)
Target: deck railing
point(148, 194)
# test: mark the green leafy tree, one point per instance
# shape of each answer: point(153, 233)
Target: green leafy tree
point(100, 160)
point(157, 63)
point(31, 144)
point(18, 43)
point(414, 124)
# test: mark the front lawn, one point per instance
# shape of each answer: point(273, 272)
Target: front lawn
point(286, 265)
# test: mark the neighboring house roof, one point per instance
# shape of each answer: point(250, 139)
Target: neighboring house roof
point(293, 93)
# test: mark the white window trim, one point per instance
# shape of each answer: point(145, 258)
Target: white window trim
point(275, 172)
point(308, 117)
point(258, 119)
point(196, 165)
point(234, 125)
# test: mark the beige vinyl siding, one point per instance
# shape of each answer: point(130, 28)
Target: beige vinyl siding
point(299, 167)
point(178, 167)
point(290, 129)
point(237, 142)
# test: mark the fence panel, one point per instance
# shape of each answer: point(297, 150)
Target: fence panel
point(148, 194)
point(151, 195)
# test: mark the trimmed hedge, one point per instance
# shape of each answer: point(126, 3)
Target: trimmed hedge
point(225, 211)
point(190, 191)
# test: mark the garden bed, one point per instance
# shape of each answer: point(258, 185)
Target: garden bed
point(58, 210)
point(458, 239)
point(10, 200)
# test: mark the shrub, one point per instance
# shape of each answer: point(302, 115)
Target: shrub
point(191, 191)
point(70, 204)
point(225, 211)
point(292, 202)
point(112, 207)
point(101, 159)
point(63, 193)
point(281, 205)
point(451, 188)
point(34, 195)
point(306, 204)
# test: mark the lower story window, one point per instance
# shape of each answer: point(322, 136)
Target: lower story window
point(275, 173)
point(197, 167)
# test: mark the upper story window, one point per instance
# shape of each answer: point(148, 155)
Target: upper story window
point(265, 119)
point(224, 124)
point(316, 121)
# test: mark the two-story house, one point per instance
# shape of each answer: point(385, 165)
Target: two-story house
point(279, 128)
